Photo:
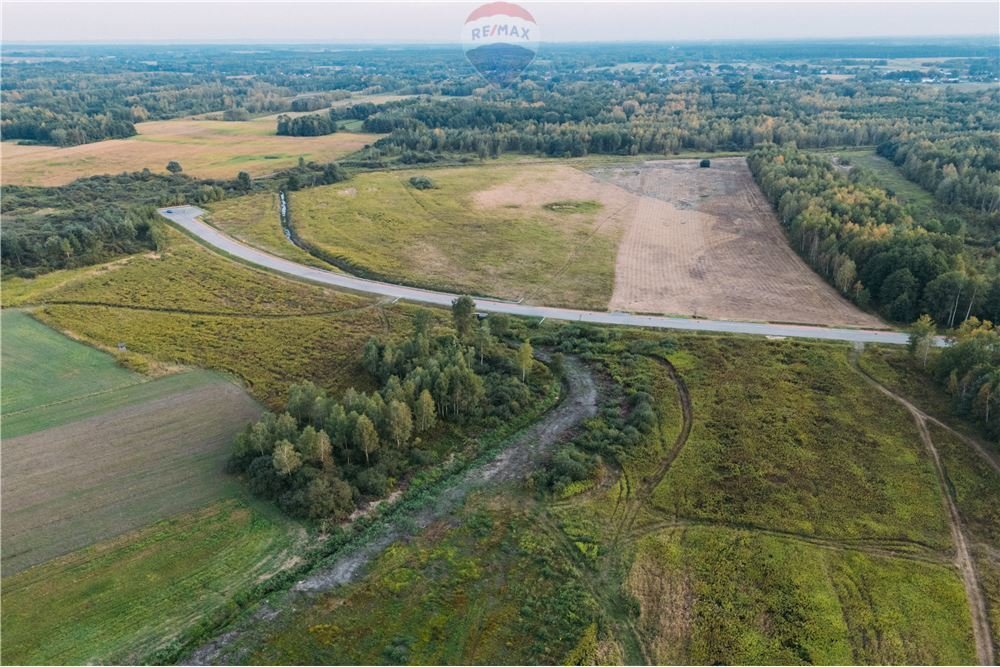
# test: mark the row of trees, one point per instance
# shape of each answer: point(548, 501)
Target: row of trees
point(867, 244)
point(324, 454)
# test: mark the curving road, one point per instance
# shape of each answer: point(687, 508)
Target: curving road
point(186, 217)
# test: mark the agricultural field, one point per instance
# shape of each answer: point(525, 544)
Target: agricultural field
point(42, 369)
point(541, 233)
point(122, 600)
point(69, 486)
point(73, 473)
point(204, 148)
point(655, 236)
point(705, 242)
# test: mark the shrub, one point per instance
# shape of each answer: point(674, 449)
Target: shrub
point(422, 183)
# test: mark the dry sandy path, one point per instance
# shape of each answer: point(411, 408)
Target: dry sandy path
point(187, 218)
point(963, 557)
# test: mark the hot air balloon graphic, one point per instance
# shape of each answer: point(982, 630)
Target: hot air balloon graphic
point(500, 40)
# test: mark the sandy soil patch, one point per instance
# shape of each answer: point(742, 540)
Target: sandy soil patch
point(705, 242)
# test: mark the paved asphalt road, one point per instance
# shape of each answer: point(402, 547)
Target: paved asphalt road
point(187, 218)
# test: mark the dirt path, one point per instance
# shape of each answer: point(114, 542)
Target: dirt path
point(883, 548)
point(649, 484)
point(514, 463)
point(963, 558)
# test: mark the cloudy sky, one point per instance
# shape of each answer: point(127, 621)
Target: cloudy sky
point(412, 22)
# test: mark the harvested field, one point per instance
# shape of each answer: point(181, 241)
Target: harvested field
point(704, 242)
point(70, 486)
point(204, 148)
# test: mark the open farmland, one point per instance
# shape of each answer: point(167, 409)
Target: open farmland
point(83, 467)
point(705, 242)
point(542, 233)
point(42, 368)
point(121, 600)
point(204, 148)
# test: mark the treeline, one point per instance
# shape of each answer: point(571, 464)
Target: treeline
point(970, 370)
point(94, 219)
point(868, 246)
point(716, 111)
point(324, 455)
point(312, 125)
point(65, 129)
point(961, 170)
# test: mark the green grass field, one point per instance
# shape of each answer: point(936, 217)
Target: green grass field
point(494, 590)
point(193, 307)
point(121, 600)
point(921, 202)
point(787, 436)
point(482, 229)
point(824, 542)
point(711, 595)
point(41, 367)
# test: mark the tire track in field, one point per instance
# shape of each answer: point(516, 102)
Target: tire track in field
point(601, 591)
point(205, 313)
point(963, 558)
point(648, 485)
point(875, 547)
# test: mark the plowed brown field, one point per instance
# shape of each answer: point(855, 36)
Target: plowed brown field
point(705, 242)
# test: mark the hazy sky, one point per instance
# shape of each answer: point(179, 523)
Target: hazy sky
point(410, 22)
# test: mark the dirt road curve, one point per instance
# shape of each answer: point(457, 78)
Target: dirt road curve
point(187, 218)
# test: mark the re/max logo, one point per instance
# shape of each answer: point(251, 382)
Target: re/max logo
point(500, 30)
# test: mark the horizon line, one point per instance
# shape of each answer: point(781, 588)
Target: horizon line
point(285, 42)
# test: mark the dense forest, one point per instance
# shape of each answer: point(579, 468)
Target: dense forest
point(93, 219)
point(67, 95)
point(866, 243)
point(324, 455)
